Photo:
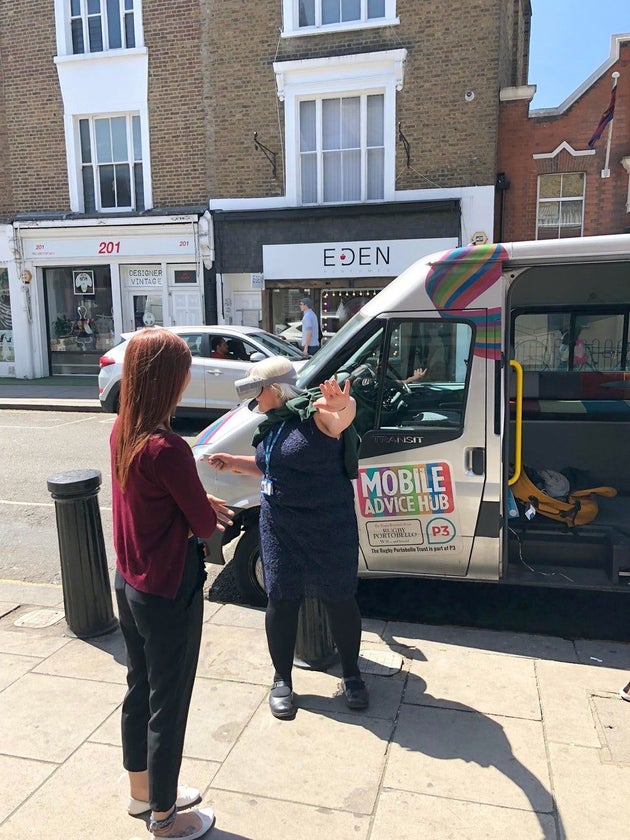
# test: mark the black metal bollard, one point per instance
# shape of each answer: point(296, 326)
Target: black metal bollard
point(314, 647)
point(87, 595)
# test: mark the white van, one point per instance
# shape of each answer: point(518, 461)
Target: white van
point(526, 348)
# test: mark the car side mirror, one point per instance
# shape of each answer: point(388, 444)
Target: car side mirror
point(257, 357)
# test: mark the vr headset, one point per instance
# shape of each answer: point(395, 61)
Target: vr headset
point(251, 387)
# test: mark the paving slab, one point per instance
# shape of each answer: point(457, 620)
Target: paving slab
point(486, 682)
point(613, 724)
point(590, 793)
point(47, 718)
point(31, 642)
point(219, 712)
point(210, 609)
point(85, 799)
point(514, 644)
point(13, 666)
point(467, 755)
point(243, 816)
point(235, 653)
point(319, 691)
point(26, 776)
point(332, 761)
point(408, 816)
point(34, 594)
point(6, 608)
point(565, 696)
point(234, 615)
point(102, 658)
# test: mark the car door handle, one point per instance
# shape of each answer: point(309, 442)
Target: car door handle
point(213, 372)
point(476, 460)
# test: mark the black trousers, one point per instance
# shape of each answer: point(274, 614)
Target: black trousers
point(162, 637)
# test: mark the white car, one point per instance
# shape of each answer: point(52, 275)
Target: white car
point(211, 389)
point(293, 333)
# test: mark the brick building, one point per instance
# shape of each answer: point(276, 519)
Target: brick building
point(551, 183)
point(377, 123)
point(103, 170)
point(164, 160)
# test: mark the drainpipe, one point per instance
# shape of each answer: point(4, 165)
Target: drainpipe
point(502, 185)
point(625, 162)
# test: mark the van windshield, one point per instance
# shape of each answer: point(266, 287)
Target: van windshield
point(308, 374)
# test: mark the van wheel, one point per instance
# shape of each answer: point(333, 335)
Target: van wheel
point(247, 567)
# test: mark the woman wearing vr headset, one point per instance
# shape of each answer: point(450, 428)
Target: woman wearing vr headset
point(306, 456)
point(158, 504)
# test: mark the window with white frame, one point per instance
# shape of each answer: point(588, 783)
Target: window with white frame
point(100, 25)
point(341, 149)
point(560, 212)
point(304, 17)
point(111, 163)
point(340, 126)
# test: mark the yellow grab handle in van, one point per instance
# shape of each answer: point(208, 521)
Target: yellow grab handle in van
point(518, 423)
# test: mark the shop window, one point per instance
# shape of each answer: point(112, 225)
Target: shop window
point(111, 163)
point(560, 205)
point(339, 305)
point(6, 323)
point(333, 307)
point(100, 25)
point(341, 133)
point(79, 313)
point(310, 16)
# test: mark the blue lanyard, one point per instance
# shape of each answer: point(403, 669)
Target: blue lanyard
point(270, 442)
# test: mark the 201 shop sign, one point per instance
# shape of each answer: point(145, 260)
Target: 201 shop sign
point(414, 489)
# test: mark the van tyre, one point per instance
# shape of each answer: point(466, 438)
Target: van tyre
point(247, 567)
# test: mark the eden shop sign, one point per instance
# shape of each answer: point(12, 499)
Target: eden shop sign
point(385, 258)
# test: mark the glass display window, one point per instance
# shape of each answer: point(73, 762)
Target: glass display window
point(337, 306)
point(79, 317)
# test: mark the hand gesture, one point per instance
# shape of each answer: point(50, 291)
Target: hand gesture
point(222, 461)
point(333, 398)
point(224, 514)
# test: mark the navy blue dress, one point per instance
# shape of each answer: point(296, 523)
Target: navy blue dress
point(309, 541)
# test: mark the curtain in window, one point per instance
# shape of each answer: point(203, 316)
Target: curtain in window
point(347, 144)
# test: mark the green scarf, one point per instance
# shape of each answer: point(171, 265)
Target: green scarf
point(302, 407)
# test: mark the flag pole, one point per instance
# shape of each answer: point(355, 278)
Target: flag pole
point(606, 171)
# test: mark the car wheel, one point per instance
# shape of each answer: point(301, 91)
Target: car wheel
point(247, 568)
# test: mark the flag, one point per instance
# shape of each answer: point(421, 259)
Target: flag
point(606, 117)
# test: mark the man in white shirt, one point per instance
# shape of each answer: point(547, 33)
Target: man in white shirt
point(310, 327)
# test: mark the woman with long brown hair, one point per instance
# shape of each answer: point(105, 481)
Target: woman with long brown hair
point(159, 504)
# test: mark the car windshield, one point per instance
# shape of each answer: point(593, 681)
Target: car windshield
point(321, 359)
point(277, 346)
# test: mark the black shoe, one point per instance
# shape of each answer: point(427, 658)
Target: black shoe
point(355, 693)
point(282, 701)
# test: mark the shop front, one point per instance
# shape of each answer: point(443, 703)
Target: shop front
point(340, 257)
point(90, 284)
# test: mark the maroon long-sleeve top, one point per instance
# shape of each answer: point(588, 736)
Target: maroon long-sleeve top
point(162, 502)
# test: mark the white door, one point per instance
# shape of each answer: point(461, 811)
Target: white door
point(142, 308)
point(186, 308)
point(185, 295)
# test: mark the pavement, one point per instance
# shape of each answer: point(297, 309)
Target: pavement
point(470, 734)
point(58, 393)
